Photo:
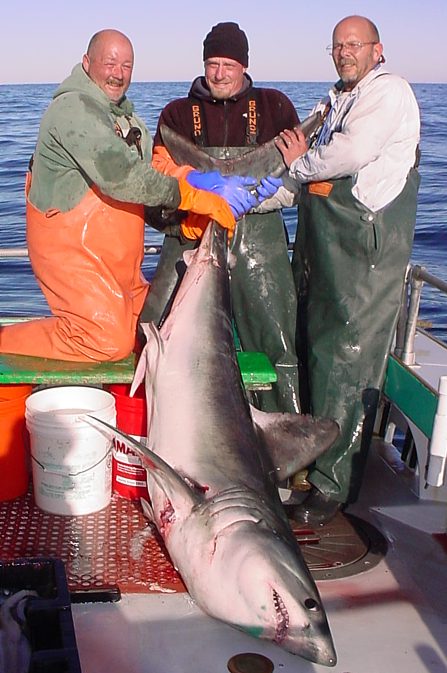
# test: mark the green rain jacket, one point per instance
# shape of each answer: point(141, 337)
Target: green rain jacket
point(79, 145)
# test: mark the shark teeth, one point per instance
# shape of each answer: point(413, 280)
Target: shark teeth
point(282, 618)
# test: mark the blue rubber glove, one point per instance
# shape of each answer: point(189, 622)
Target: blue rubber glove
point(235, 191)
point(207, 181)
point(268, 187)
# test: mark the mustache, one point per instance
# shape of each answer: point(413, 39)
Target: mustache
point(346, 61)
point(114, 81)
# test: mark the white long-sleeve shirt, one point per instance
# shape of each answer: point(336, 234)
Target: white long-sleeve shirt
point(371, 134)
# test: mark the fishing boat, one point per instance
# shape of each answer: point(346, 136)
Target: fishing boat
point(380, 566)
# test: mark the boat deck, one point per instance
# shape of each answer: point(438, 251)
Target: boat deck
point(388, 614)
point(388, 619)
point(431, 359)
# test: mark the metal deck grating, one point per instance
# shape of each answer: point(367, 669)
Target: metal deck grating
point(115, 547)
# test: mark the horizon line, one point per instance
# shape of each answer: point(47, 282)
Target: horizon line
point(188, 81)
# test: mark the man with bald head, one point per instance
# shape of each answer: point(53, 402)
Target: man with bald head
point(356, 224)
point(90, 181)
point(109, 63)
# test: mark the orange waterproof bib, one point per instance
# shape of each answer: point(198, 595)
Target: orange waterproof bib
point(88, 264)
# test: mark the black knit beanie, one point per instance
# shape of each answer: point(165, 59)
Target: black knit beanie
point(226, 40)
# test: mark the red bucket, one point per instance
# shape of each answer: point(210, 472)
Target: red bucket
point(14, 441)
point(128, 474)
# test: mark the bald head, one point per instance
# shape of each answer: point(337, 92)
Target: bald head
point(361, 23)
point(356, 49)
point(109, 62)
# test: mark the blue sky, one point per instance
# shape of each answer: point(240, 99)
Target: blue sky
point(41, 41)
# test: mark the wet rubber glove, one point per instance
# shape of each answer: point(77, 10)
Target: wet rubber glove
point(235, 190)
point(208, 181)
point(268, 187)
point(204, 203)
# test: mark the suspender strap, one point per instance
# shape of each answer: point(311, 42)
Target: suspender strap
point(198, 124)
point(316, 134)
point(252, 119)
point(199, 121)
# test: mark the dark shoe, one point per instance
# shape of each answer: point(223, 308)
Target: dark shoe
point(316, 510)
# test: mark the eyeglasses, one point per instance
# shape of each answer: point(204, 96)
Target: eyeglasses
point(352, 47)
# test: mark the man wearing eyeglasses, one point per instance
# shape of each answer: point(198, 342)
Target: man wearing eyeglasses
point(356, 223)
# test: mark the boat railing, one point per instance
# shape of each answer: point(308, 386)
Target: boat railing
point(415, 390)
point(411, 297)
point(409, 313)
point(18, 252)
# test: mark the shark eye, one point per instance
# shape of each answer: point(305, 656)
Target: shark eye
point(311, 604)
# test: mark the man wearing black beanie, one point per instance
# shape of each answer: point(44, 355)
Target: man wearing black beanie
point(227, 116)
point(229, 40)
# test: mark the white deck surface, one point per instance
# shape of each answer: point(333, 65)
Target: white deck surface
point(430, 359)
point(390, 619)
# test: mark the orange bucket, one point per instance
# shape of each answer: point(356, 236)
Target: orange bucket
point(14, 442)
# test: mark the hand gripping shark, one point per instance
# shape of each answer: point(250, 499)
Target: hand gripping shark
point(213, 462)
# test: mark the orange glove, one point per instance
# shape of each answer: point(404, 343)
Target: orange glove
point(164, 163)
point(204, 203)
point(194, 225)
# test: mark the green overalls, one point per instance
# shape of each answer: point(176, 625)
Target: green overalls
point(349, 265)
point(263, 294)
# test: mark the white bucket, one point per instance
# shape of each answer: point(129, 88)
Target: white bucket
point(71, 458)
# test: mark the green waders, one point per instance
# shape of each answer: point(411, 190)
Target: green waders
point(349, 266)
point(169, 272)
point(263, 296)
point(264, 303)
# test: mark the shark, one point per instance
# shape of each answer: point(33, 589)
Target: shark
point(258, 162)
point(214, 463)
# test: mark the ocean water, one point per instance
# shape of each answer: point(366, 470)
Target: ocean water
point(21, 108)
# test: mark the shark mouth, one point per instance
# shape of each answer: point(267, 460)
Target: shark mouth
point(282, 618)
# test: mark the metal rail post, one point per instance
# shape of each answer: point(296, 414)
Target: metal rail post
point(408, 354)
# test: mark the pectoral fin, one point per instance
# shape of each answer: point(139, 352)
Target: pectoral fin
point(172, 484)
point(293, 441)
